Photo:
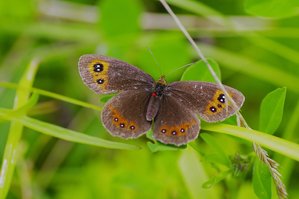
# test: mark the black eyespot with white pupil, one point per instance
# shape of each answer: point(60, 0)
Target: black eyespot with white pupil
point(221, 98)
point(122, 125)
point(213, 109)
point(173, 132)
point(182, 130)
point(98, 67)
point(163, 131)
point(132, 127)
point(100, 81)
point(116, 119)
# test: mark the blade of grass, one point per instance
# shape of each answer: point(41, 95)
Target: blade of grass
point(15, 131)
point(52, 95)
point(274, 143)
point(63, 133)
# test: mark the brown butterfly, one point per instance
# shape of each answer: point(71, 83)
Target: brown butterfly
point(142, 101)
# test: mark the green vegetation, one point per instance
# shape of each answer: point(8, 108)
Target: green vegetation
point(53, 145)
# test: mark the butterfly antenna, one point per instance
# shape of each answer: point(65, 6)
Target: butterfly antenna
point(156, 61)
point(184, 66)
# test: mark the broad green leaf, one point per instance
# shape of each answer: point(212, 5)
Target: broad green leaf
point(200, 72)
point(271, 110)
point(219, 155)
point(63, 133)
point(261, 180)
point(272, 8)
point(119, 18)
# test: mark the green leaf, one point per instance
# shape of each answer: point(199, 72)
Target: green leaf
point(194, 175)
point(158, 146)
point(261, 180)
point(63, 133)
point(272, 8)
point(155, 147)
point(219, 155)
point(119, 18)
point(164, 54)
point(271, 110)
point(214, 180)
point(200, 72)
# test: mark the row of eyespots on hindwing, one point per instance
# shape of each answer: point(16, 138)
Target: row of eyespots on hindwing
point(178, 130)
point(120, 122)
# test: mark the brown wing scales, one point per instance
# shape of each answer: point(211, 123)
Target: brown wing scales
point(174, 123)
point(124, 114)
point(107, 75)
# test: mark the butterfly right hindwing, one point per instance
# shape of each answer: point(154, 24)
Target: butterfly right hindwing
point(174, 123)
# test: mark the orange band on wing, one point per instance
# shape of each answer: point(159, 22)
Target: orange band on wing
point(120, 122)
point(177, 130)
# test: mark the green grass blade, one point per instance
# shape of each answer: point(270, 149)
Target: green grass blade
point(15, 132)
point(63, 133)
point(52, 95)
point(277, 144)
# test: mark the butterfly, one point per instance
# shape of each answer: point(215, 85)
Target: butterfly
point(142, 103)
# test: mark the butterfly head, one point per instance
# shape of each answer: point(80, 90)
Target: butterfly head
point(159, 87)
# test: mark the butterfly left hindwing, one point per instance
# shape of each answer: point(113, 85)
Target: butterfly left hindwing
point(124, 114)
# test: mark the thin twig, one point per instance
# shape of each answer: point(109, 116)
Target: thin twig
point(261, 153)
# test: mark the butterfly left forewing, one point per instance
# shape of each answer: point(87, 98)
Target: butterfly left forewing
point(206, 99)
point(108, 75)
point(174, 123)
point(124, 115)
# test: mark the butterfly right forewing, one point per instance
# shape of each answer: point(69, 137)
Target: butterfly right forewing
point(206, 99)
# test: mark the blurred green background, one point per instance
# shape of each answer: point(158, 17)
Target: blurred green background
point(255, 43)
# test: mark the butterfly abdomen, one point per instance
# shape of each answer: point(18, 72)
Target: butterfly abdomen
point(153, 107)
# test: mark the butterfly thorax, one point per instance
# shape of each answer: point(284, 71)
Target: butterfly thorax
point(155, 99)
point(159, 87)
